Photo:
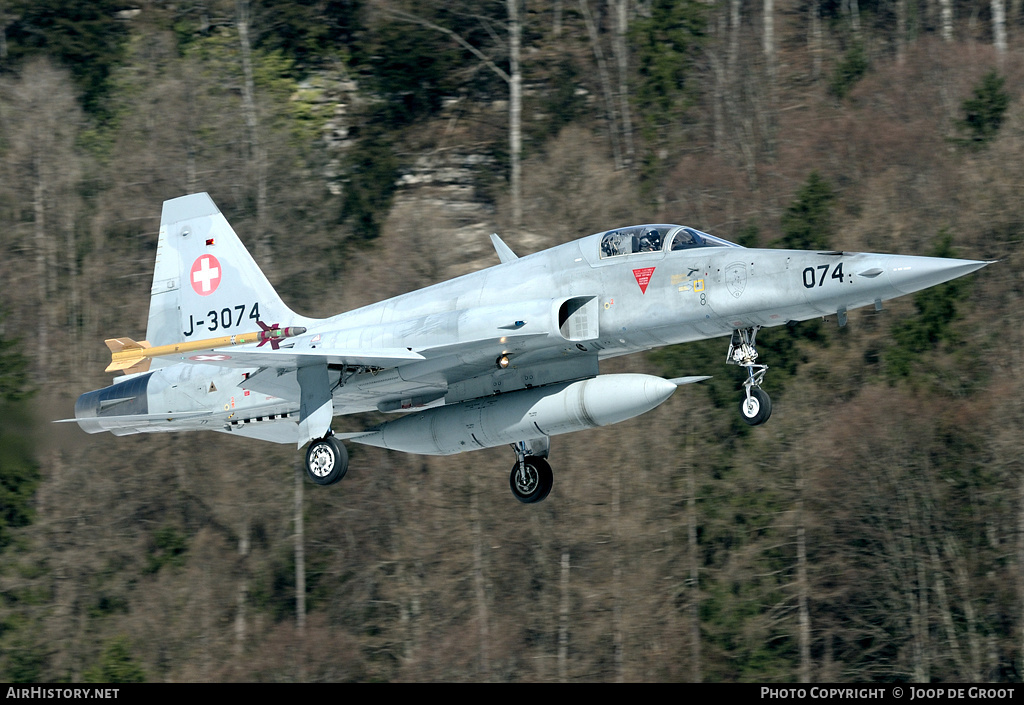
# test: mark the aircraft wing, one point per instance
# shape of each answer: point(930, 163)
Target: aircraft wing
point(327, 377)
point(396, 379)
point(284, 358)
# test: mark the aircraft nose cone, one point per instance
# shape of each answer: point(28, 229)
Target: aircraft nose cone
point(908, 274)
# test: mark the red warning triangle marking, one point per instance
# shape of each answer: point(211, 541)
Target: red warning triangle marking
point(643, 277)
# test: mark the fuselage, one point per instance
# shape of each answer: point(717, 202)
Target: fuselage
point(552, 315)
point(645, 299)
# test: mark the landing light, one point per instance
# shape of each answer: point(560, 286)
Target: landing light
point(502, 361)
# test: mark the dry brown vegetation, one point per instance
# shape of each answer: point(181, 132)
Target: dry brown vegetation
point(872, 531)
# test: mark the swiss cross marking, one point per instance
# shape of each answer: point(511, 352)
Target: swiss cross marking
point(205, 275)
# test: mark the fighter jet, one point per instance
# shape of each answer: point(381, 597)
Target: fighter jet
point(508, 355)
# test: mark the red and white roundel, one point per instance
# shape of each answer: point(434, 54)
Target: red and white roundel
point(205, 275)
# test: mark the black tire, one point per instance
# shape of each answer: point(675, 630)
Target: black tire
point(326, 461)
point(758, 408)
point(537, 482)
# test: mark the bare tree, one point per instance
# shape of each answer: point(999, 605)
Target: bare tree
point(40, 123)
point(999, 29)
point(802, 585)
point(257, 152)
point(622, 59)
point(513, 77)
point(947, 20)
point(605, 81)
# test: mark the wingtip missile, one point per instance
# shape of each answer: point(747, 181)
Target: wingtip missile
point(275, 334)
point(130, 356)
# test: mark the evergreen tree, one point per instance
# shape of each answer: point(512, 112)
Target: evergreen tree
point(19, 473)
point(983, 114)
point(84, 35)
point(309, 32)
point(936, 310)
point(850, 69)
point(807, 223)
point(664, 43)
point(116, 664)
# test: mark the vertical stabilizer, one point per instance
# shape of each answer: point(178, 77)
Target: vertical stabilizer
point(205, 282)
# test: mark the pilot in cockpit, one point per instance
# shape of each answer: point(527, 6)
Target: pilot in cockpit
point(650, 241)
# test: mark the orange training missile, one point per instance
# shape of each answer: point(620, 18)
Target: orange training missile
point(131, 356)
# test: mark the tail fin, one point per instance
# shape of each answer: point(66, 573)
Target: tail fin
point(205, 282)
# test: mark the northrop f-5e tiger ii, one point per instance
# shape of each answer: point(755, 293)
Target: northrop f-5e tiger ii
point(508, 355)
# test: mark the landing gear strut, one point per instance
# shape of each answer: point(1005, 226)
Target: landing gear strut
point(326, 460)
point(756, 406)
point(531, 477)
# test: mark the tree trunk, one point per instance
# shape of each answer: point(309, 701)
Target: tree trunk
point(622, 59)
point(257, 152)
point(944, 608)
point(815, 40)
point(947, 20)
point(772, 71)
point(999, 29)
point(480, 588)
point(300, 553)
point(563, 622)
point(804, 616)
point(691, 503)
point(734, 37)
point(718, 107)
point(43, 277)
point(617, 629)
point(606, 84)
point(514, 78)
point(901, 30)
point(515, 110)
point(853, 10)
point(242, 592)
point(1020, 562)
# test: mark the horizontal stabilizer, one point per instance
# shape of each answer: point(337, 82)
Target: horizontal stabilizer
point(140, 420)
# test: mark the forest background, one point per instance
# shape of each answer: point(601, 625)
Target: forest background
point(873, 530)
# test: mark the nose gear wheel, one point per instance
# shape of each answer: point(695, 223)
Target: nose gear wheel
point(756, 405)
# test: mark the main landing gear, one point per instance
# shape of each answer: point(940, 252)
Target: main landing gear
point(756, 406)
point(531, 477)
point(326, 460)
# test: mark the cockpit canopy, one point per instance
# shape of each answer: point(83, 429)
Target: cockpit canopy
point(655, 238)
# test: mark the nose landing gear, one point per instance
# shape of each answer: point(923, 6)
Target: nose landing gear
point(756, 406)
